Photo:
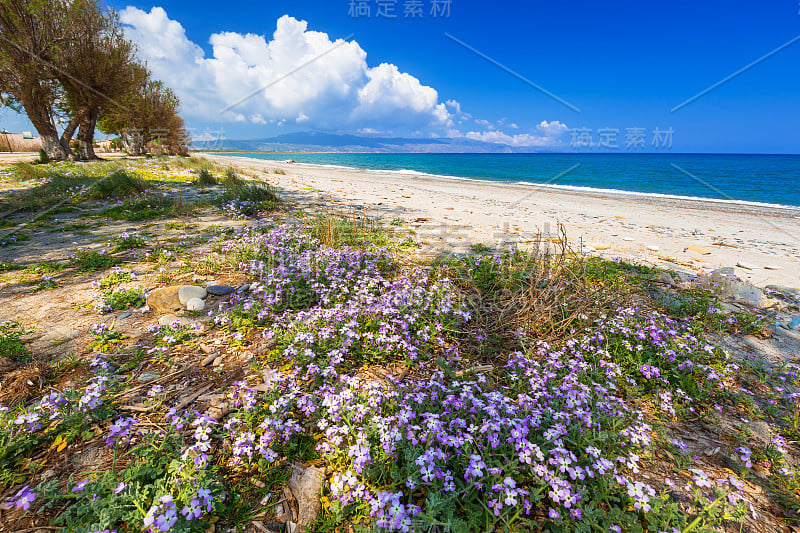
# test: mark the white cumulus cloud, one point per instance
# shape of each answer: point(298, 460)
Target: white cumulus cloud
point(334, 89)
point(548, 136)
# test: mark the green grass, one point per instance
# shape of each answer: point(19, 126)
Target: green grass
point(119, 184)
point(146, 208)
point(92, 260)
point(12, 343)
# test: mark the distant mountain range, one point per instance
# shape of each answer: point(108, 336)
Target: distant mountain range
point(314, 141)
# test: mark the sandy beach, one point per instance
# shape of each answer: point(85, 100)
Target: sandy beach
point(450, 214)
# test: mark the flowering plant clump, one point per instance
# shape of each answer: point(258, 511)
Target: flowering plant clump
point(105, 339)
point(340, 304)
point(113, 300)
point(75, 410)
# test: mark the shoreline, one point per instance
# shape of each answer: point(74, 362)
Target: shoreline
point(451, 213)
point(584, 190)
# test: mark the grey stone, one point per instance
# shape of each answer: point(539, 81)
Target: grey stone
point(147, 377)
point(747, 294)
point(168, 320)
point(59, 334)
point(243, 288)
point(187, 292)
point(788, 291)
point(124, 315)
point(761, 431)
point(746, 266)
point(195, 304)
point(219, 290)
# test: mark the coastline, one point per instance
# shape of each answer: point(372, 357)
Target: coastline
point(642, 228)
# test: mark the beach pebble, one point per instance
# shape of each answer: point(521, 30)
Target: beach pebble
point(188, 292)
point(164, 300)
point(219, 290)
point(124, 315)
point(653, 248)
point(746, 266)
point(195, 304)
point(168, 320)
point(772, 267)
point(243, 288)
point(628, 239)
point(599, 245)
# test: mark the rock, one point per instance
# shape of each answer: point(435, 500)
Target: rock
point(747, 294)
point(306, 485)
point(208, 359)
point(786, 291)
point(664, 277)
point(698, 250)
point(195, 304)
point(598, 245)
point(761, 431)
point(59, 334)
point(144, 378)
point(587, 249)
point(772, 267)
point(124, 316)
point(653, 248)
point(723, 275)
point(794, 323)
point(165, 299)
point(219, 290)
point(218, 361)
point(168, 320)
point(746, 266)
point(243, 288)
point(628, 239)
point(187, 292)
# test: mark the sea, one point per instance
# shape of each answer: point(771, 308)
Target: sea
point(769, 180)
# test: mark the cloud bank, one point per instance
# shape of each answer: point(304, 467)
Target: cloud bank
point(302, 78)
point(334, 89)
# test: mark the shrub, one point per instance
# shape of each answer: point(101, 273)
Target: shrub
point(241, 201)
point(205, 178)
point(43, 159)
point(121, 299)
point(231, 179)
point(119, 184)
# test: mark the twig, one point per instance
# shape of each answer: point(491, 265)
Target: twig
point(193, 397)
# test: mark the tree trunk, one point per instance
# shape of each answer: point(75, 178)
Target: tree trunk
point(35, 105)
point(69, 131)
point(133, 142)
point(86, 136)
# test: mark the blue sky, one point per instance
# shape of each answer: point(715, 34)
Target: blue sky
point(624, 64)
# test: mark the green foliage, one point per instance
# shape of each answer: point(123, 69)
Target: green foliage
point(703, 307)
point(113, 279)
point(336, 231)
point(205, 179)
point(232, 180)
point(12, 342)
point(146, 208)
point(43, 159)
point(126, 242)
point(119, 184)
point(122, 299)
point(91, 260)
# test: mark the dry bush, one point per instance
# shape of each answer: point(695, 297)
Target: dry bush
point(545, 293)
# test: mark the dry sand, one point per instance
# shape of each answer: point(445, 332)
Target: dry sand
point(647, 230)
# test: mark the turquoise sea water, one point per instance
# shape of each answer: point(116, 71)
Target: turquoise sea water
point(768, 179)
